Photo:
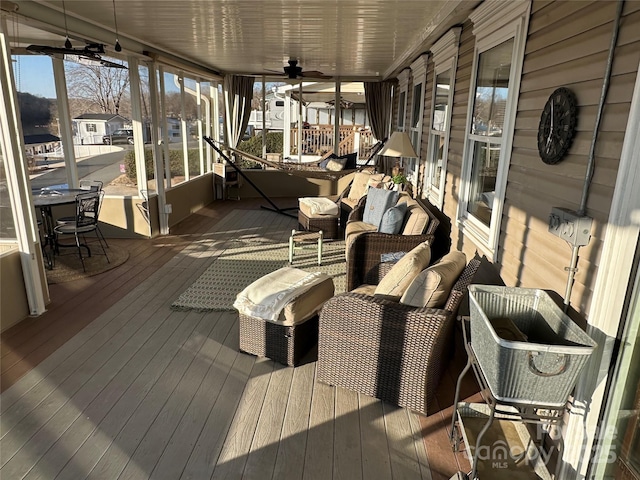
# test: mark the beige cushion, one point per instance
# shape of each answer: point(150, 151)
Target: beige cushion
point(318, 207)
point(349, 202)
point(336, 164)
point(361, 183)
point(359, 227)
point(365, 290)
point(354, 229)
point(415, 220)
point(401, 275)
point(432, 286)
point(308, 304)
point(286, 296)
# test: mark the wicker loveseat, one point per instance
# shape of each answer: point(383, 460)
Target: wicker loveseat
point(365, 245)
point(386, 349)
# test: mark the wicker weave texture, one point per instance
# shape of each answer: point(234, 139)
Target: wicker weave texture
point(363, 254)
point(329, 225)
point(284, 344)
point(385, 350)
point(388, 350)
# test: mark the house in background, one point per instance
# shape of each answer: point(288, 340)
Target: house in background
point(89, 128)
point(174, 131)
point(41, 144)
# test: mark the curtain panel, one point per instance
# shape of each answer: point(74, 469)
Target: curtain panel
point(238, 92)
point(379, 107)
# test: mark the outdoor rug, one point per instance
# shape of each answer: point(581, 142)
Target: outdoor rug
point(68, 266)
point(247, 260)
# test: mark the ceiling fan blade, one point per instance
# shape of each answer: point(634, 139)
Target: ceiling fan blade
point(315, 74)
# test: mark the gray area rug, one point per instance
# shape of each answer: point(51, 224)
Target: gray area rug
point(249, 257)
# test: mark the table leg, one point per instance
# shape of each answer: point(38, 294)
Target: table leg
point(49, 244)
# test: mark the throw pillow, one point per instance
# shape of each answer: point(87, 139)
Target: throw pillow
point(431, 287)
point(402, 273)
point(336, 164)
point(392, 257)
point(392, 219)
point(361, 183)
point(378, 201)
point(417, 219)
point(352, 159)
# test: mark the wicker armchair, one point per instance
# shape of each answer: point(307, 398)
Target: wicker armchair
point(388, 350)
point(364, 250)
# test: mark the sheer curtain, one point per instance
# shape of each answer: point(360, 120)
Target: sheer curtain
point(238, 92)
point(379, 107)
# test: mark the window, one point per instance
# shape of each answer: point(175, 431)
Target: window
point(403, 81)
point(419, 76)
point(492, 105)
point(445, 54)
point(91, 127)
point(416, 116)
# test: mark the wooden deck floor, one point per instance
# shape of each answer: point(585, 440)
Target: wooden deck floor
point(111, 383)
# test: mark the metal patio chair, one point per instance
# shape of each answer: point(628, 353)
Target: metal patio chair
point(85, 221)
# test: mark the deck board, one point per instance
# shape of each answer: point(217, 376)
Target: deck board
point(347, 452)
point(138, 390)
point(376, 464)
point(293, 441)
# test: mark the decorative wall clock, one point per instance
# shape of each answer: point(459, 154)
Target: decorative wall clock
point(557, 126)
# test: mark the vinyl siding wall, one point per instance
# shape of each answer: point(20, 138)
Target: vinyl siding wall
point(567, 45)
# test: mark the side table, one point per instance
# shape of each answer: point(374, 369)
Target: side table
point(302, 240)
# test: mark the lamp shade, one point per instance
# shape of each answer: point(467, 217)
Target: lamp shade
point(399, 145)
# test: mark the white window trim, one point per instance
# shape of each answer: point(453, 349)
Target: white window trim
point(419, 77)
point(494, 23)
point(403, 86)
point(445, 57)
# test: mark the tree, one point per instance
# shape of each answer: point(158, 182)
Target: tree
point(173, 106)
point(35, 112)
point(107, 89)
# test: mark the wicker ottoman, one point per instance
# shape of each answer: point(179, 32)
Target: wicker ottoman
point(287, 339)
point(311, 221)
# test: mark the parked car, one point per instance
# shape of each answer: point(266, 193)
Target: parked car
point(119, 136)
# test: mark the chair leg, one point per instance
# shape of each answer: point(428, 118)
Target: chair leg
point(79, 245)
point(101, 245)
point(101, 235)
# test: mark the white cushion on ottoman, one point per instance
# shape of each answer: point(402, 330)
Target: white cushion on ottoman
point(313, 206)
point(286, 296)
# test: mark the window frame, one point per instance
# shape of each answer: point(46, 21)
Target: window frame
point(493, 24)
point(403, 87)
point(445, 58)
point(419, 78)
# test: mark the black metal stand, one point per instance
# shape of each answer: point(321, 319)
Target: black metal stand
point(274, 208)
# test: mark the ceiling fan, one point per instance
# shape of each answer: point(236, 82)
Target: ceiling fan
point(89, 55)
point(293, 71)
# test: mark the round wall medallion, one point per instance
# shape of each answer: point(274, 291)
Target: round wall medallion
point(557, 126)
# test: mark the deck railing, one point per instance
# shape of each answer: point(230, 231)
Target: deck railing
point(318, 140)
